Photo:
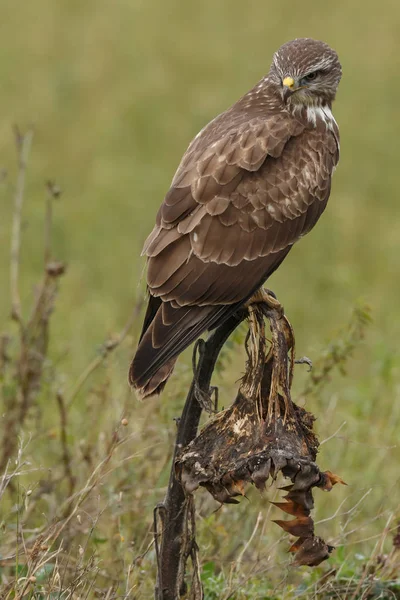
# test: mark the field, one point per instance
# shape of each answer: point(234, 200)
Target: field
point(114, 92)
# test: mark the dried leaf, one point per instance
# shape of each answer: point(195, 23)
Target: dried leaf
point(300, 527)
point(261, 434)
point(292, 508)
point(329, 479)
point(261, 474)
point(312, 552)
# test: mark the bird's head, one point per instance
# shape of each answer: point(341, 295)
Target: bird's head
point(307, 72)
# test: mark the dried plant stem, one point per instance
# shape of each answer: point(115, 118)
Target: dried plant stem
point(66, 455)
point(262, 433)
point(54, 192)
point(71, 505)
point(47, 230)
point(33, 331)
point(249, 541)
point(23, 142)
point(174, 550)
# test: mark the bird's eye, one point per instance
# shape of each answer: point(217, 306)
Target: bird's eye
point(311, 76)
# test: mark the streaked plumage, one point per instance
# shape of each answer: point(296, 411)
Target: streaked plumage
point(251, 183)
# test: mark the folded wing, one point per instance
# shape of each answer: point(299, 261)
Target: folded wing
point(240, 199)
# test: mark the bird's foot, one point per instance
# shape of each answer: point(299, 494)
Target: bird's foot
point(267, 297)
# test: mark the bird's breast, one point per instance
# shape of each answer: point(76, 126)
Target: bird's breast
point(320, 115)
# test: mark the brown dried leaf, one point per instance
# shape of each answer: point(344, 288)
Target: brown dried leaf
point(304, 497)
point(260, 475)
point(279, 462)
point(296, 545)
point(312, 551)
point(329, 479)
point(224, 494)
point(292, 508)
point(300, 527)
point(236, 488)
point(278, 436)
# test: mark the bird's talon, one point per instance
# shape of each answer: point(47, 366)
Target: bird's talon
point(268, 298)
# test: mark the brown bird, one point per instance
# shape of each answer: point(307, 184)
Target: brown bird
point(252, 182)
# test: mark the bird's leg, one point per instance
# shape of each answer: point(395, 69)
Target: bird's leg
point(267, 297)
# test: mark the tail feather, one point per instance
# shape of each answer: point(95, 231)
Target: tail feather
point(169, 328)
point(151, 311)
point(156, 383)
point(169, 332)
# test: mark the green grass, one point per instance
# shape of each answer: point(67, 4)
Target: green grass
point(115, 91)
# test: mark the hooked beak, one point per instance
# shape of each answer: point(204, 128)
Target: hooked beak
point(289, 87)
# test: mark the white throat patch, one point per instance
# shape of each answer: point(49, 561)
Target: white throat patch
point(323, 113)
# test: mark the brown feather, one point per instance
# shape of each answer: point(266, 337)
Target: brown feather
point(253, 182)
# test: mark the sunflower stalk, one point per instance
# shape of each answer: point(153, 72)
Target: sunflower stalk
point(261, 434)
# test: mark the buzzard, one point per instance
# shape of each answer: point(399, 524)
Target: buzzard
point(251, 183)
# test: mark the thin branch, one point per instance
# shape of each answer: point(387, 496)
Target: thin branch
point(333, 434)
point(23, 143)
point(249, 541)
point(54, 192)
point(47, 230)
point(66, 456)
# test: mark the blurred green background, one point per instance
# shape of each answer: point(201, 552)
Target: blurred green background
point(116, 90)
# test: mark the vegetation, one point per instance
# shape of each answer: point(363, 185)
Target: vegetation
point(115, 91)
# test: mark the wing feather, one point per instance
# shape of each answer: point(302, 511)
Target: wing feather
point(246, 190)
point(257, 219)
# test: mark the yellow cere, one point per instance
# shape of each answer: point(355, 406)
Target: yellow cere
point(288, 82)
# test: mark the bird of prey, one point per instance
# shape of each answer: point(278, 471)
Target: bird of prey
point(252, 182)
